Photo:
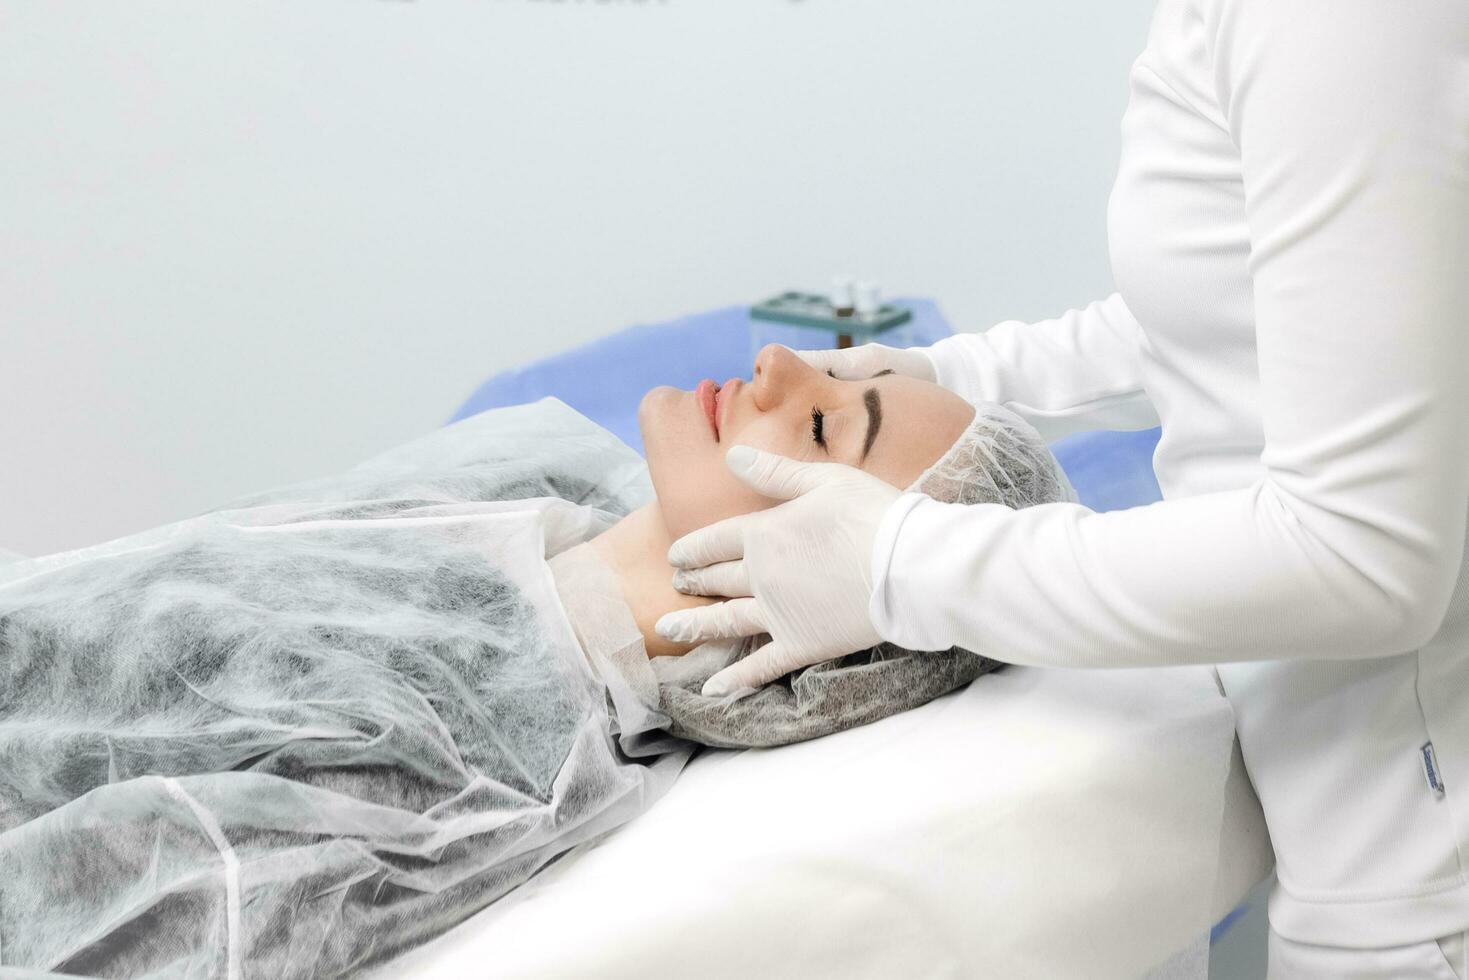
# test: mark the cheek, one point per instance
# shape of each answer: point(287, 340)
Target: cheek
point(771, 434)
point(694, 487)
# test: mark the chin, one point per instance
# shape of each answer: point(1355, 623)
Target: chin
point(655, 417)
point(653, 405)
point(655, 412)
point(673, 463)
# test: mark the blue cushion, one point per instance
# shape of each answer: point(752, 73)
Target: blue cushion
point(1111, 470)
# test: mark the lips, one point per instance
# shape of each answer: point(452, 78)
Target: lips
point(707, 393)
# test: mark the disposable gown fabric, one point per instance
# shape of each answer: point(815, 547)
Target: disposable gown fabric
point(302, 733)
point(294, 736)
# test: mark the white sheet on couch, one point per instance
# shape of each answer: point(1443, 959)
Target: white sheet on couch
point(1040, 823)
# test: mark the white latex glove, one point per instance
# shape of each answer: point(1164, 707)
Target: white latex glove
point(800, 571)
point(863, 361)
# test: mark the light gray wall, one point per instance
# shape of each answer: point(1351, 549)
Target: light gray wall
point(243, 243)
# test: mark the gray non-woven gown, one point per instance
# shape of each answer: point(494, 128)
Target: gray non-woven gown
point(300, 734)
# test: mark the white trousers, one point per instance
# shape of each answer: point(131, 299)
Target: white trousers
point(1434, 959)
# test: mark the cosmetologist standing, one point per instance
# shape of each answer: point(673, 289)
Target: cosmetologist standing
point(1289, 236)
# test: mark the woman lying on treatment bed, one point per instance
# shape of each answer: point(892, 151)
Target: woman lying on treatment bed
point(320, 726)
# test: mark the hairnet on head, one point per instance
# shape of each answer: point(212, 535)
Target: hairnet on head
point(998, 459)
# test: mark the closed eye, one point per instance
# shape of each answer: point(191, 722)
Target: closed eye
point(879, 374)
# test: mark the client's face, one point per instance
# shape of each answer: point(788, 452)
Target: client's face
point(891, 426)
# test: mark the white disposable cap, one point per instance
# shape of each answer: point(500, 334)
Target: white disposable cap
point(843, 296)
point(868, 298)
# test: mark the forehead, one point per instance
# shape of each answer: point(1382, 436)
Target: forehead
point(920, 421)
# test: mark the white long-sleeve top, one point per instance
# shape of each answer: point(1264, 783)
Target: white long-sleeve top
point(1289, 235)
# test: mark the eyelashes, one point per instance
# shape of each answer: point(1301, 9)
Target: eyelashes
point(817, 420)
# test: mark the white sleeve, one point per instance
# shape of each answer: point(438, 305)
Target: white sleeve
point(1081, 370)
point(1352, 119)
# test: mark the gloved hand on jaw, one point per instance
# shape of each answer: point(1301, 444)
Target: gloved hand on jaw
point(863, 361)
point(800, 571)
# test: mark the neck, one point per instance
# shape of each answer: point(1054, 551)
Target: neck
point(637, 549)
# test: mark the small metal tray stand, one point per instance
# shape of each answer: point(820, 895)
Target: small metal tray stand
point(815, 310)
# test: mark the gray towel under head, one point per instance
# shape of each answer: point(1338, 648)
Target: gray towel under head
point(662, 693)
point(829, 697)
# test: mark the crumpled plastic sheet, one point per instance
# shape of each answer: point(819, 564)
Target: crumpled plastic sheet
point(296, 735)
point(321, 725)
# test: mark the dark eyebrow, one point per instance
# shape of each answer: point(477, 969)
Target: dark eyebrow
point(874, 419)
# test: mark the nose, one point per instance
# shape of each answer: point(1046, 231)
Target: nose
point(779, 373)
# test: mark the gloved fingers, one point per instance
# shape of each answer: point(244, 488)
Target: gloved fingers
point(728, 578)
point(866, 360)
point(721, 620)
point(721, 541)
point(779, 476)
point(755, 670)
point(838, 362)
